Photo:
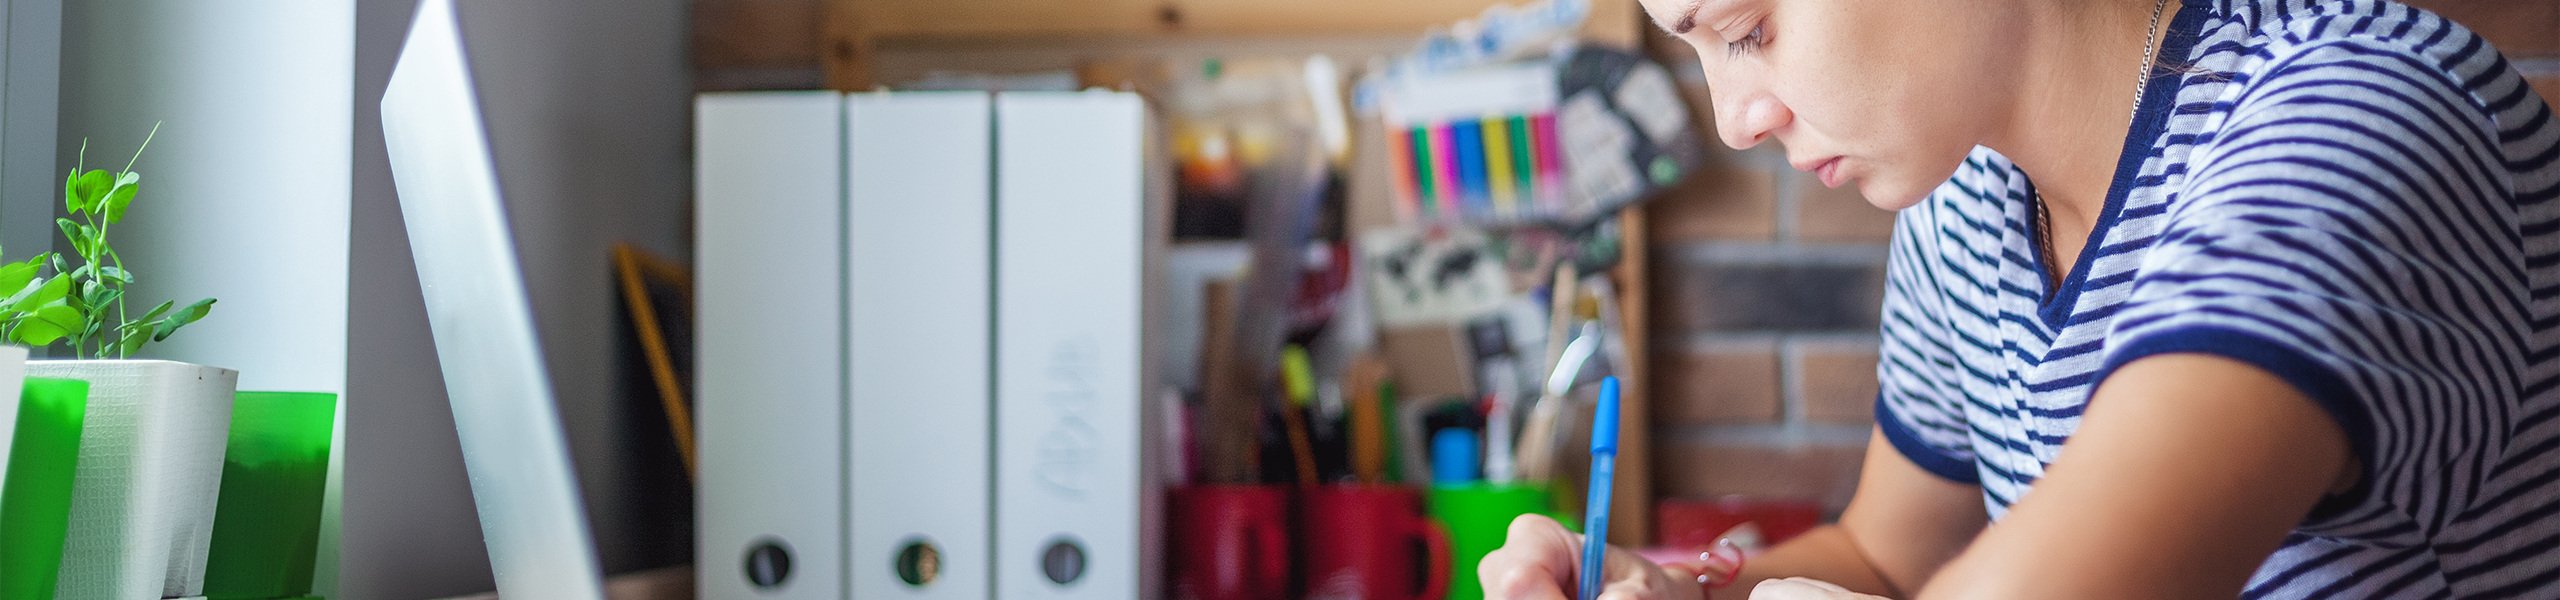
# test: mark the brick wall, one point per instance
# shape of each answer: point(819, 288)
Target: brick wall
point(1766, 286)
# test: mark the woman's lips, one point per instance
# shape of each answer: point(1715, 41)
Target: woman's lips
point(1827, 170)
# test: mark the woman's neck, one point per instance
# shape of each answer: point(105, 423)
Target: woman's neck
point(2074, 101)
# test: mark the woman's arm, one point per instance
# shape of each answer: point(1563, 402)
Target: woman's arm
point(2187, 472)
point(1901, 526)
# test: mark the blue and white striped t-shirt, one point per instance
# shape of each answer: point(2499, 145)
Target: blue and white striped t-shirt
point(2356, 196)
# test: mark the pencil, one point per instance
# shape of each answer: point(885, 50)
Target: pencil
point(1300, 379)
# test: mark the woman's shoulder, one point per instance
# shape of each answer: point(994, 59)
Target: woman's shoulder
point(2277, 35)
point(2369, 117)
point(2281, 23)
point(2376, 73)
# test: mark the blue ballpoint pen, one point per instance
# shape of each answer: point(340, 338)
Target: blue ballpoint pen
point(1604, 470)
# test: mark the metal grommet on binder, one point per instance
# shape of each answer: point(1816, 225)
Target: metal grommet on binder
point(768, 563)
point(919, 562)
point(1063, 562)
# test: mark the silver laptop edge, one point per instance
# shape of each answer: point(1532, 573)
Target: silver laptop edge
point(512, 443)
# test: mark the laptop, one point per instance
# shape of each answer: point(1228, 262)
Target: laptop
point(512, 442)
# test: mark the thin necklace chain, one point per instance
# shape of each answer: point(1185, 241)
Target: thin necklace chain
point(2150, 45)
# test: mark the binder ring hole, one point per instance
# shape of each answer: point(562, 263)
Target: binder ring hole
point(1063, 561)
point(919, 563)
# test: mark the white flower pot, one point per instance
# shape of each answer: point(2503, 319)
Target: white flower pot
point(150, 468)
point(13, 371)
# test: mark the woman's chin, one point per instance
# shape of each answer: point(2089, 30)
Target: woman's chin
point(1892, 195)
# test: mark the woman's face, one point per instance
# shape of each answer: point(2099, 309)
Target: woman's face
point(1886, 95)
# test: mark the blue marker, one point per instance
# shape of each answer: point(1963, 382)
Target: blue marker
point(1453, 457)
point(1604, 470)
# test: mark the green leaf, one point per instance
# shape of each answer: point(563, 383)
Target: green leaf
point(33, 334)
point(155, 313)
point(47, 325)
point(181, 318)
point(12, 304)
point(132, 342)
point(52, 291)
point(71, 193)
point(120, 276)
point(120, 197)
point(93, 188)
point(14, 276)
point(73, 231)
point(101, 297)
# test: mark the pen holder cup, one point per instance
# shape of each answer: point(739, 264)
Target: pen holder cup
point(1478, 516)
point(275, 473)
point(35, 510)
point(1370, 542)
point(1228, 542)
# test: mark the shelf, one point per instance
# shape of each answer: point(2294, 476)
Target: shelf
point(841, 44)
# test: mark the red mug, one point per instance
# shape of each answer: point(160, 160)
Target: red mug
point(1359, 542)
point(1229, 542)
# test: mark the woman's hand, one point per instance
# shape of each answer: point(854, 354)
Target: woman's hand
point(1538, 560)
point(1799, 588)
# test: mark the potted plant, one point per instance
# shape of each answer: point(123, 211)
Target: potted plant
point(150, 461)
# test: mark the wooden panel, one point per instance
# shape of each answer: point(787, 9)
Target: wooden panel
point(855, 29)
point(1631, 506)
point(1011, 18)
point(755, 33)
point(1619, 23)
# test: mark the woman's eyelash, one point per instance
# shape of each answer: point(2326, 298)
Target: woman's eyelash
point(1747, 44)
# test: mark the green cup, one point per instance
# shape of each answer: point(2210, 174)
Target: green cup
point(35, 508)
point(266, 526)
point(1478, 517)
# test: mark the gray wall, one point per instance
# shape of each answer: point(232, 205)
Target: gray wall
point(588, 105)
point(30, 73)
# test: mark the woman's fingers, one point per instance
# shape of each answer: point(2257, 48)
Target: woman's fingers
point(1799, 588)
point(1536, 561)
point(1540, 560)
point(1702, 572)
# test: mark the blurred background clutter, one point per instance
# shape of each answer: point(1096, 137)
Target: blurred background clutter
point(1390, 249)
point(1406, 239)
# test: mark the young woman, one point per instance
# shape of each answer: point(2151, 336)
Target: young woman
point(2198, 298)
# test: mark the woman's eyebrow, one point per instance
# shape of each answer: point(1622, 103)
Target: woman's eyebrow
point(1688, 18)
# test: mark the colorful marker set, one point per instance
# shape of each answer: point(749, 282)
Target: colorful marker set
point(1492, 168)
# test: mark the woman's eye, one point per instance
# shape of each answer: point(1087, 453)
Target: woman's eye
point(1749, 42)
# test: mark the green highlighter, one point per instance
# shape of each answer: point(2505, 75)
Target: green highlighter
point(35, 501)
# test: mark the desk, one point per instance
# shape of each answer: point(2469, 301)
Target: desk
point(670, 583)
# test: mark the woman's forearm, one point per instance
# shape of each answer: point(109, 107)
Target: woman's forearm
point(1827, 553)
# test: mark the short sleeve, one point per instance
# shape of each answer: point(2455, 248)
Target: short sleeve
point(1919, 406)
point(2351, 231)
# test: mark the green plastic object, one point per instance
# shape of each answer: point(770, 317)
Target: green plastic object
point(1478, 516)
point(266, 526)
point(35, 513)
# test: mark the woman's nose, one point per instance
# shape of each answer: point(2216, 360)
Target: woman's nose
point(1744, 120)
